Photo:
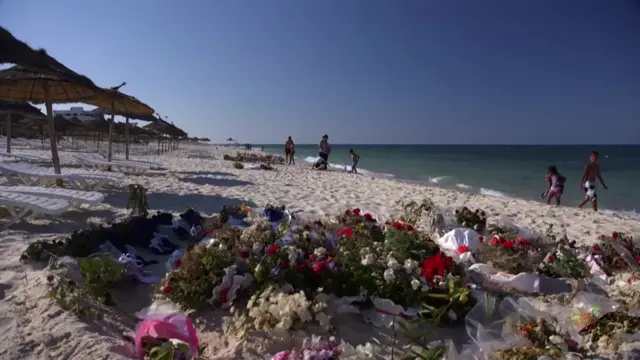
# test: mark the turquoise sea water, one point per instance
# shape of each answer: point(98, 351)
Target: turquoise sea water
point(498, 170)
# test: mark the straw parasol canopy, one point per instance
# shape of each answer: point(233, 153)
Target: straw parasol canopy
point(162, 127)
point(14, 51)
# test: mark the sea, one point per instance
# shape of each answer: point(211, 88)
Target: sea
point(495, 170)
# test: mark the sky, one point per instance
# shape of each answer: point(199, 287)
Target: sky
point(361, 71)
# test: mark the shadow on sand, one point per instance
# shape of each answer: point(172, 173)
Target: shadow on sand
point(205, 173)
point(176, 202)
point(201, 180)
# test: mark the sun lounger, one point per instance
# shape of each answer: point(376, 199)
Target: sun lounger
point(25, 157)
point(30, 174)
point(70, 195)
point(94, 163)
point(14, 201)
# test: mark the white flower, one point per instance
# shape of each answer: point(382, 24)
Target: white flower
point(365, 251)
point(258, 268)
point(320, 251)
point(425, 288)
point(388, 275)
point(410, 265)
point(415, 284)
point(393, 264)
point(368, 259)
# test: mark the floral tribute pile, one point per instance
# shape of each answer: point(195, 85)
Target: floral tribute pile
point(293, 271)
point(506, 254)
point(616, 253)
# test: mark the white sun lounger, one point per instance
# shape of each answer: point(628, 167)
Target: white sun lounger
point(26, 157)
point(30, 174)
point(70, 195)
point(92, 163)
point(14, 201)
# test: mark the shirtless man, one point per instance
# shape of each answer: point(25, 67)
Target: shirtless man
point(588, 182)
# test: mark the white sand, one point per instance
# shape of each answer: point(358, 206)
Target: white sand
point(34, 328)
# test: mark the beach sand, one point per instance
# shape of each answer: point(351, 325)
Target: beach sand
point(196, 176)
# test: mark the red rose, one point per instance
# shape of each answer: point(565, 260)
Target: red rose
point(397, 225)
point(244, 254)
point(319, 266)
point(495, 240)
point(177, 262)
point(614, 235)
point(410, 228)
point(346, 232)
point(283, 265)
point(551, 259)
point(272, 249)
point(356, 211)
point(481, 239)
point(462, 249)
point(637, 259)
point(167, 289)
point(508, 244)
point(387, 223)
point(368, 217)
point(436, 265)
point(348, 212)
point(596, 248)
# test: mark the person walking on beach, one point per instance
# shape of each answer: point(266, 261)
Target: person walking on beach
point(289, 150)
point(324, 149)
point(588, 181)
point(556, 185)
point(354, 161)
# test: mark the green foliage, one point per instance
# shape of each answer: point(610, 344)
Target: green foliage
point(138, 200)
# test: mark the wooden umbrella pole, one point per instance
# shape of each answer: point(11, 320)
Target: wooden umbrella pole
point(126, 139)
point(52, 131)
point(9, 133)
point(113, 110)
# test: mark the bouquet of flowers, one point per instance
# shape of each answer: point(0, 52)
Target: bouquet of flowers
point(563, 262)
point(616, 253)
point(509, 255)
point(476, 220)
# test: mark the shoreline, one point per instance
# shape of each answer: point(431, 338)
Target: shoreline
point(468, 189)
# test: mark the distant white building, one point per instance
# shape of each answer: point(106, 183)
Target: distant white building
point(77, 112)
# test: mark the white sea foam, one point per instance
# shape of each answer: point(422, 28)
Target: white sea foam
point(491, 192)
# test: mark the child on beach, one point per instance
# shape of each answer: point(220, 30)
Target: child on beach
point(588, 181)
point(556, 185)
point(354, 161)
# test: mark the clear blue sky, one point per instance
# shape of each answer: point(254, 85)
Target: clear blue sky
point(362, 71)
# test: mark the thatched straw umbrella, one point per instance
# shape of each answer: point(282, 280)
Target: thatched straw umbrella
point(23, 84)
point(19, 83)
point(119, 103)
point(14, 51)
point(17, 111)
point(128, 116)
point(163, 128)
